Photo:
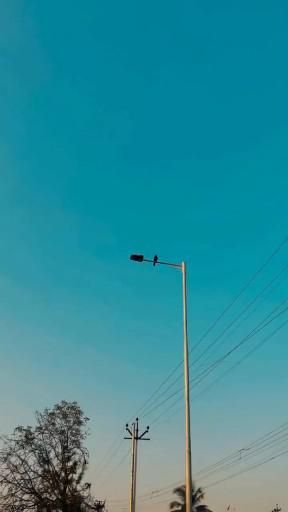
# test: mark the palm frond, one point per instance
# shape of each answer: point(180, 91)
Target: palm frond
point(197, 496)
point(175, 505)
point(180, 492)
point(202, 508)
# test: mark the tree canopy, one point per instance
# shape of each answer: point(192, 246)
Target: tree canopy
point(43, 468)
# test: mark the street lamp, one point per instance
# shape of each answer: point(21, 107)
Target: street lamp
point(139, 258)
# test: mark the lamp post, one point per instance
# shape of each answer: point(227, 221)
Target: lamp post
point(188, 466)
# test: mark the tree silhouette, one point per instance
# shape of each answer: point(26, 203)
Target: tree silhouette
point(42, 468)
point(277, 509)
point(197, 497)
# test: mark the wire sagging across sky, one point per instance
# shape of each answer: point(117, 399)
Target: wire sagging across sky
point(266, 448)
point(153, 403)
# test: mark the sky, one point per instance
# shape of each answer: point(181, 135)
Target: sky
point(158, 128)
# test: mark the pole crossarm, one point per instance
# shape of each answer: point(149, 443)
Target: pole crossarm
point(135, 437)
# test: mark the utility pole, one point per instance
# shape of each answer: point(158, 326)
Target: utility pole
point(133, 432)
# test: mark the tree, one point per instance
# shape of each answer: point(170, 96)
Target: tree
point(42, 468)
point(197, 497)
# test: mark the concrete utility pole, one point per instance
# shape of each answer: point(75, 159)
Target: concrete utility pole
point(134, 437)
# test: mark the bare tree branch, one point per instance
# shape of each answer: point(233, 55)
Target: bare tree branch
point(42, 469)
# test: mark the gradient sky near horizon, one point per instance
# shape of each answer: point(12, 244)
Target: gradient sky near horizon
point(156, 127)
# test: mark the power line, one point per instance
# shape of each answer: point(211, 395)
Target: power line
point(243, 290)
point(227, 308)
point(271, 439)
point(109, 456)
point(230, 477)
point(204, 373)
point(235, 365)
point(244, 340)
point(155, 421)
point(168, 490)
point(246, 449)
point(246, 454)
point(246, 317)
point(251, 303)
point(115, 468)
point(206, 333)
point(285, 452)
point(158, 389)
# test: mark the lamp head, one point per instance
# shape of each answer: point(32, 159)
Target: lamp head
point(137, 257)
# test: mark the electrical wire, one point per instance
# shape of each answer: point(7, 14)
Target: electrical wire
point(109, 456)
point(202, 338)
point(155, 421)
point(115, 468)
point(251, 303)
point(222, 314)
point(274, 457)
point(274, 438)
point(217, 339)
point(204, 373)
point(151, 499)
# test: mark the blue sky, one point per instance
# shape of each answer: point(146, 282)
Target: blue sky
point(159, 128)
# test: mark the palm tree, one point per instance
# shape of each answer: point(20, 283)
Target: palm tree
point(197, 496)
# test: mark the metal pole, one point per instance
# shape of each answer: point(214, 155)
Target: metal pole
point(132, 491)
point(188, 465)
